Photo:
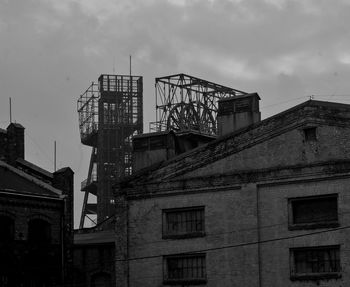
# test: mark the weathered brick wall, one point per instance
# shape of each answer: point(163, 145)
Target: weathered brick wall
point(286, 149)
point(310, 113)
point(274, 223)
point(91, 260)
point(264, 155)
point(230, 219)
point(25, 209)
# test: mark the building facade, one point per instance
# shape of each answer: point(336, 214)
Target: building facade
point(94, 257)
point(36, 216)
point(266, 204)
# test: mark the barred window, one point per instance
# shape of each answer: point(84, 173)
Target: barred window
point(315, 262)
point(314, 212)
point(188, 268)
point(183, 222)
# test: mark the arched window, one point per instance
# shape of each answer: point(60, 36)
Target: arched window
point(39, 231)
point(7, 231)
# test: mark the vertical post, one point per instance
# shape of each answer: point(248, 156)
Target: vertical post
point(10, 111)
point(156, 94)
point(121, 243)
point(54, 156)
point(130, 65)
point(258, 223)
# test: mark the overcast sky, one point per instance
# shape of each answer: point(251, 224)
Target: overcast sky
point(50, 52)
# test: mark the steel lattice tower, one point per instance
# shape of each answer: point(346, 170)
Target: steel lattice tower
point(185, 102)
point(110, 114)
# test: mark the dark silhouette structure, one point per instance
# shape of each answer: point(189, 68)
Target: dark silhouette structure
point(36, 218)
point(110, 114)
point(185, 102)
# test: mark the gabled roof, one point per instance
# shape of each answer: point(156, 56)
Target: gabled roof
point(45, 188)
point(328, 112)
point(22, 162)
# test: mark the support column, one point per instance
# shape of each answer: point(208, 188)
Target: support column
point(121, 244)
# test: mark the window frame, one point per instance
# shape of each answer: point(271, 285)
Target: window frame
point(310, 134)
point(313, 275)
point(311, 225)
point(183, 235)
point(181, 281)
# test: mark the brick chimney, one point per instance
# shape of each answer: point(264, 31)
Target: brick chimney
point(15, 142)
point(238, 112)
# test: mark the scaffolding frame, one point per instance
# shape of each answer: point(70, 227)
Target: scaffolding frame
point(110, 114)
point(185, 102)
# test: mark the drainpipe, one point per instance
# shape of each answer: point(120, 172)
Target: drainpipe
point(258, 235)
point(62, 242)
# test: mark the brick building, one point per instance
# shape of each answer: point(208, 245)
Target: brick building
point(94, 257)
point(267, 203)
point(36, 218)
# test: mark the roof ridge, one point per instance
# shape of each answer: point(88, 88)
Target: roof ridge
point(234, 138)
point(31, 178)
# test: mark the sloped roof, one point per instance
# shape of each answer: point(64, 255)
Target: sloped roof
point(46, 189)
point(34, 167)
point(232, 143)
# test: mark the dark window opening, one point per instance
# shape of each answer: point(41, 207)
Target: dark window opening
point(101, 279)
point(39, 231)
point(315, 262)
point(314, 212)
point(190, 268)
point(183, 223)
point(310, 134)
point(7, 226)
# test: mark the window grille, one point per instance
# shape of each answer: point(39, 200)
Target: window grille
point(184, 222)
point(314, 262)
point(189, 268)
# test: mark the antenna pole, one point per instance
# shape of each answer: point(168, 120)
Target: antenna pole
point(130, 65)
point(10, 111)
point(54, 156)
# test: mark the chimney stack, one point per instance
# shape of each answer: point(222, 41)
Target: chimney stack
point(15, 142)
point(238, 112)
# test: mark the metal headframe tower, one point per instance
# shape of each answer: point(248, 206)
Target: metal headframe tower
point(184, 102)
point(110, 114)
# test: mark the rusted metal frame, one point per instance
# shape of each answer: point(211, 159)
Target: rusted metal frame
point(201, 82)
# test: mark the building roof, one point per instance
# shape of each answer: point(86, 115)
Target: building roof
point(309, 111)
point(46, 189)
point(17, 125)
point(98, 237)
point(33, 167)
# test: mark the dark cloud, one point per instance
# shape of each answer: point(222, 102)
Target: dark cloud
point(50, 51)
